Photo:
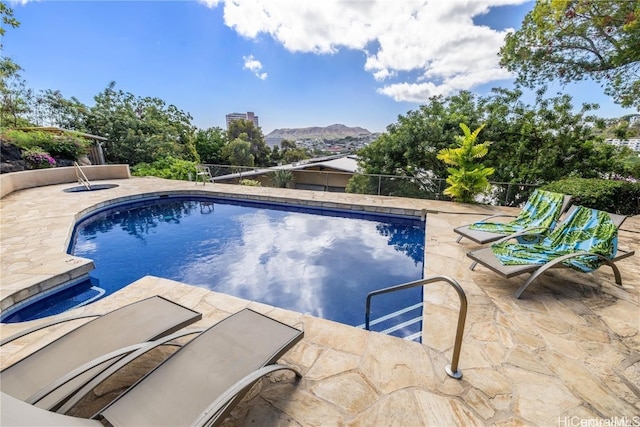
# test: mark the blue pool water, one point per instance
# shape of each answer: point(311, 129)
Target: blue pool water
point(312, 261)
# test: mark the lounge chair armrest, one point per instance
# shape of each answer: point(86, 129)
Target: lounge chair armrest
point(45, 391)
point(43, 326)
point(135, 349)
point(563, 258)
point(497, 216)
point(624, 253)
point(210, 414)
point(578, 254)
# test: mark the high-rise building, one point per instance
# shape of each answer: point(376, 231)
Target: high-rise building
point(242, 116)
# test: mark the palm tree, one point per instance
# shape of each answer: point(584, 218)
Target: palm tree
point(280, 178)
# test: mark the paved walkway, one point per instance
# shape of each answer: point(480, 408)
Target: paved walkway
point(568, 352)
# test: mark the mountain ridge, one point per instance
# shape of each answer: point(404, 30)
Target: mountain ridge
point(334, 131)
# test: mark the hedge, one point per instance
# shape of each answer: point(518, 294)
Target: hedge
point(620, 197)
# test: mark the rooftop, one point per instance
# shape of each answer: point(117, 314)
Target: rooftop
point(568, 351)
point(342, 163)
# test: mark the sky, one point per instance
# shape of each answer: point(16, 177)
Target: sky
point(294, 63)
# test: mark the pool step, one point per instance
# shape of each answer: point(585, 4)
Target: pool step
point(402, 323)
point(52, 303)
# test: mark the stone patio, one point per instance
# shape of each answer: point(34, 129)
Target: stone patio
point(567, 353)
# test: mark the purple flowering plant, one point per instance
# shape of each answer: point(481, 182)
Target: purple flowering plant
point(38, 159)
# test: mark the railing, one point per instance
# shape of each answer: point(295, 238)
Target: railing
point(451, 370)
point(82, 178)
point(426, 187)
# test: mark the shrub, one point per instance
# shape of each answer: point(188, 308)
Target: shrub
point(470, 178)
point(37, 158)
point(29, 140)
point(65, 146)
point(68, 147)
point(168, 167)
point(618, 197)
point(362, 184)
point(280, 178)
point(250, 182)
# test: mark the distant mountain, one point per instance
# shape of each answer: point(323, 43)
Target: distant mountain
point(336, 131)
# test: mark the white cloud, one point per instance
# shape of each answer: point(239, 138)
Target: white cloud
point(210, 3)
point(252, 64)
point(433, 39)
point(286, 255)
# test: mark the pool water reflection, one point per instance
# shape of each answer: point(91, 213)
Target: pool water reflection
point(318, 262)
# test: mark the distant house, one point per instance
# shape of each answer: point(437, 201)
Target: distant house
point(633, 143)
point(330, 173)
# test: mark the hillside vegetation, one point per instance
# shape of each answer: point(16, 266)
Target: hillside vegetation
point(336, 131)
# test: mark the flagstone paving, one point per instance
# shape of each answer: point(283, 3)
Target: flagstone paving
point(567, 353)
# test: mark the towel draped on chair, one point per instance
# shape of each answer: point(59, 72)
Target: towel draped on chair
point(543, 209)
point(585, 230)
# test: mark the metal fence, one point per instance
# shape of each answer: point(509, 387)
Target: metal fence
point(500, 193)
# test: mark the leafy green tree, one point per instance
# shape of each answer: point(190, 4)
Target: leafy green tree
point(14, 95)
point(570, 40)
point(13, 88)
point(7, 19)
point(291, 152)
point(209, 144)
point(288, 144)
point(245, 130)
point(238, 153)
point(469, 178)
point(631, 165)
point(276, 157)
point(410, 146)
point(531, 143)
point(540, 142)
point(54, 109)
point(295, 155)
point(140, 129)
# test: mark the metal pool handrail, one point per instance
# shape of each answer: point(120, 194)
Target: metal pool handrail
point(82, 178)
point(452, 370)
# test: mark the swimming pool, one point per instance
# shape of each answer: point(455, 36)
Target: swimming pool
point(320, 262)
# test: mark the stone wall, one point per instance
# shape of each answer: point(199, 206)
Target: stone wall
point(11, 158)
point(10, 182)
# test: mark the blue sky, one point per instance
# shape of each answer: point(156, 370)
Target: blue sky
point(295, 63)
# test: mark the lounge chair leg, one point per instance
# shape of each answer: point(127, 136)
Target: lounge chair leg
point(533, 277)
point(616, 273)
point(524, 286)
